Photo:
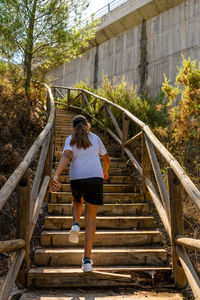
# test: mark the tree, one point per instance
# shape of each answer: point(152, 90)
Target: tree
point(47, 32)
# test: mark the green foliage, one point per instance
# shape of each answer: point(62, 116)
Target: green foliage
point(184, 102)
point(147, 110)
point(19, 126)
point(43, 32)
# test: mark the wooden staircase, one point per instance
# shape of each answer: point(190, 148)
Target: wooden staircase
point(126, 239)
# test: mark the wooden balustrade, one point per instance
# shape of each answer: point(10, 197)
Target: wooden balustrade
point(29, 200)
point(167, 202)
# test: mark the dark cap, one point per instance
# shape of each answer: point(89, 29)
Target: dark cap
point(79, 119)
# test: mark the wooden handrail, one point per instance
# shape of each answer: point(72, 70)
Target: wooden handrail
point(187, 183)
point(13, 180)
point(189, 243)
point(189, 271)
point(29, 204)
point(169, 206)
point(11, 245)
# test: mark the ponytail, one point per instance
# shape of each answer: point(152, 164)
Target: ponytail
point(80, 136)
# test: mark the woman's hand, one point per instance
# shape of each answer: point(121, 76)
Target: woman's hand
point(55, 184)
point(106, 161)
point(105, 174)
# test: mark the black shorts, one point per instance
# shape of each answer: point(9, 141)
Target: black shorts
point(91, 189)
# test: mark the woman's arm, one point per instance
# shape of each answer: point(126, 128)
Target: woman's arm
point(106, 165)
point(65, 159)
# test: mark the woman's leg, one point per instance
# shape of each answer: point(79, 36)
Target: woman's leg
point(77, 210)
point(90, 227)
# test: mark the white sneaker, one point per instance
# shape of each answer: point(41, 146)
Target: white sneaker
point(73, 234)
point(87, 265)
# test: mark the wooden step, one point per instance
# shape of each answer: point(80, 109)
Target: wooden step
point(113, 179)
point(111, 172)
point(103, 238)
point(102, 222)
point(50, 277)
point(58, 154)
point(107, 188)
point(100, 294)
point(135, 209)
point(100, 257)
point(66, 197)
point(113, 164)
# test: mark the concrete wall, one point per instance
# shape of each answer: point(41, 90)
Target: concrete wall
point(122, 48)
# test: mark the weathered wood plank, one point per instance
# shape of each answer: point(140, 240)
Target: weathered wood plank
point(177, 227)
point(114, 121)
point(23, 223)
point(190, 272)
point(161, 211)
point(146, 165)
point(38, 204)
point(12, 274)
point(133, 139)
point(59, 93)
point(124, 133)
point(39, 171)
point(11, 245)
point(192, 244)
point(158, 175)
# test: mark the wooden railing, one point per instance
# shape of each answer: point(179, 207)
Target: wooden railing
point(167, 200)
point(29, 200)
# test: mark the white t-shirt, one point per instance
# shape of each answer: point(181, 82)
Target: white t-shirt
point(86, 162)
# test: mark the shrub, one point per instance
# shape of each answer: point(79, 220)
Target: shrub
point(184, 102)
point(147, 110)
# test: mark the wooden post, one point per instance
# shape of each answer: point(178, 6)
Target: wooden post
point(177, 227)
point(48, 164)
point(54, 92)
point(146, 166)
point(82, 103)
point(105, 117)
point(23, 224)
point(124, 132)
point(48, 105)
point(68, 99)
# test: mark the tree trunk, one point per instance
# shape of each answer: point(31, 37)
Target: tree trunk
point(28, 55)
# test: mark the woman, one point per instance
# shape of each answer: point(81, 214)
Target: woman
point(86, 180)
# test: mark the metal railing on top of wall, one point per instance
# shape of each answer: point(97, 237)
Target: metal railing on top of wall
point(106, 9)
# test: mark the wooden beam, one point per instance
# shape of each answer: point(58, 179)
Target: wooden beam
point(134, 161)
point(176, 222)
point(23, 221)
point(11, 245)
point(56, 90)
point(158, 175)
point(40, 168)
point(114, 122)
point(105, 115)
point(146, 166)
point(38, 204)
point(190, 243)
point(86, 100)
point(186, 182)
point(158, 204)
point(133, 139)
point(12, 275)
point(190, 272)
point(124, 132)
